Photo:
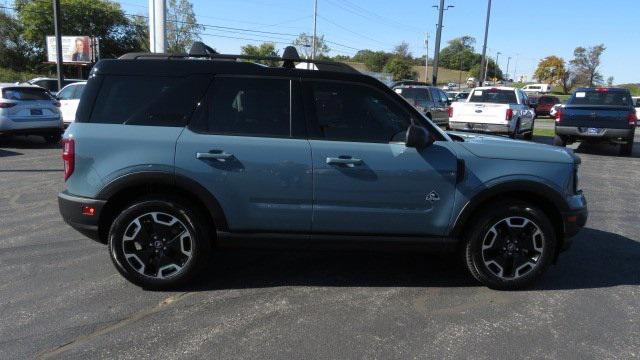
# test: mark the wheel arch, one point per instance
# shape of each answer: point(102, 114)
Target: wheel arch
point(124, 189)
point(538, 194)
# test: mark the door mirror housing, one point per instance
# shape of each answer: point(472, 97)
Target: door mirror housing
point(418, 137)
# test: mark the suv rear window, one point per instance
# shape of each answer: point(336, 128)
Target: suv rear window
point(591, 97)
point(415, 96)
point(152, 101)
point(494, 96)
point(25, 93)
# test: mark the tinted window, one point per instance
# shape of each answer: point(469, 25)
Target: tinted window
point(415, 96)
point(494, 96)
point(615, 98)
point(155, 101)
point(25, 93)
point(250, 106)
point(78, 91)
point(547, 101)
point(357, 113)
point(443, 96)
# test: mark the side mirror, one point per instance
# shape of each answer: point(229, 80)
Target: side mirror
point(418, 137)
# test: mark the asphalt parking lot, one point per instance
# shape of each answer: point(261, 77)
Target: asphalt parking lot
point(61, 297)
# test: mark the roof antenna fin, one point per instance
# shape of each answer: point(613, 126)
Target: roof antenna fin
point(289, 57)
point(200, 49)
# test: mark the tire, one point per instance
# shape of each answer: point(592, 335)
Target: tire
point(559, 141)
point(529, 134)
point(158, 243)
point(53, 138)
point(626, 149)
point(510, 245)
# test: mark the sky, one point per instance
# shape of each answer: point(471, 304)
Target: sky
point(525, 30)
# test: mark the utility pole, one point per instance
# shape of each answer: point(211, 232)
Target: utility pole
point(426, 59)
point(315, 23)
point(508, 61)
point(515, 66)
point(495, 70)
point(460, 73)
point(484, 47)
point(486, 70)
point(56, 26)
point(157, 29)
point(436, 53)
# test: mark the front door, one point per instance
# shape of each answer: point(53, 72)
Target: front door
point(242, 147)
point(366, 181)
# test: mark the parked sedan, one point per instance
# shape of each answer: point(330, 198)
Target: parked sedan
point(545, 103)
point(69, 98)
point(51, 84)
point(30, 110)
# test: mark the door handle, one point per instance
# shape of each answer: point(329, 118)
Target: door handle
point(214, 154)
point(349, 161)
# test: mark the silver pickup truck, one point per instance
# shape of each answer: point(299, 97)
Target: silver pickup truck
point(500, 110)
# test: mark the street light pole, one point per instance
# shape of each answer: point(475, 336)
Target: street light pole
point(56, 26)
point(484, 47)
point(508, 61)
point(495, 70)
point(426, 59)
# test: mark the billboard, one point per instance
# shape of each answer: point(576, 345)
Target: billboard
point(75, 49)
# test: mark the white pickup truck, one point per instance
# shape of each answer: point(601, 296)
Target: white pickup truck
point(500, 110)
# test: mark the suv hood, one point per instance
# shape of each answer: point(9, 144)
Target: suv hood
point(496, 147)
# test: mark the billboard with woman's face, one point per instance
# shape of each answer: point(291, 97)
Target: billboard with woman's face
point(75, 49)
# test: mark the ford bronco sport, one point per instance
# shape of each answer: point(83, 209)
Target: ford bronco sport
point(174, 156)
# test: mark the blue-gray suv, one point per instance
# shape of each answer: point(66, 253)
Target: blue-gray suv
point(174, 156)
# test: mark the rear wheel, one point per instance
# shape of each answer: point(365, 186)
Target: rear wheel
point(510, 245)
point(159, 243)
point(515, 131)
point(627, 148)
point(529, 134)
point(559, 141)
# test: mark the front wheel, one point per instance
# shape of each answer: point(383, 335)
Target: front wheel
point(159, 243)
point(515, 131)
point(510, 245)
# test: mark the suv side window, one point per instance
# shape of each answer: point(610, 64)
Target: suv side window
point(443, 96)
point(151, 101)
point(248, 106)
point(67, 93)
point(356, 113)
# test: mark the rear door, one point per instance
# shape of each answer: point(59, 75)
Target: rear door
point(366, 181)
point(246, 148)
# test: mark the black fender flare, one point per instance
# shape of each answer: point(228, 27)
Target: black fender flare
point(162, 178)
point(526, 187)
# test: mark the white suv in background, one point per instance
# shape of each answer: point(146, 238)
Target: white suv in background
point(29, 110)
point(537, 89)
point(69, 98)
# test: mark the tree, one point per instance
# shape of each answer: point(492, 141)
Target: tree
point(400, 68)
point(459, 54)
point(493, 70)
point(550, 69)
point(402, 50)
point(264, 50)
point(610, 80)
point(182, 27)
point(98, 18)
point(587, 61)
point(15, 52)
point(304, 45)
point(568, 80)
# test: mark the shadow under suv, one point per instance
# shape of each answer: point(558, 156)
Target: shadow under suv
point(174, 156)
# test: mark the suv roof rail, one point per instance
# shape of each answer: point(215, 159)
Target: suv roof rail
point(289, 58)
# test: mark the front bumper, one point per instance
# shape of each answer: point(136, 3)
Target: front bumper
point(574, 219)
point(603, 133)
point(479, 127)
point(71, 209)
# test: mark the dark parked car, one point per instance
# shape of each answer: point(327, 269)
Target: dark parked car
point(429, 100)
point(598, 114)
point(545, 103)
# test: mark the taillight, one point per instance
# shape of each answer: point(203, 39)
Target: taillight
point(602, 90)
point(68, 156)
point(632, 118)
point(450, 111)
point(509, 114)
point(6, 105)
point(558, 115)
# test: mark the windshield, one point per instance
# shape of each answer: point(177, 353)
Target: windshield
point(494, 96)
point(611, 98)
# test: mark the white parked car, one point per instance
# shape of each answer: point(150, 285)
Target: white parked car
point(537, 89)
point(636, 104)
point(29, 110)
point(69, 98)
point(499, 110)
